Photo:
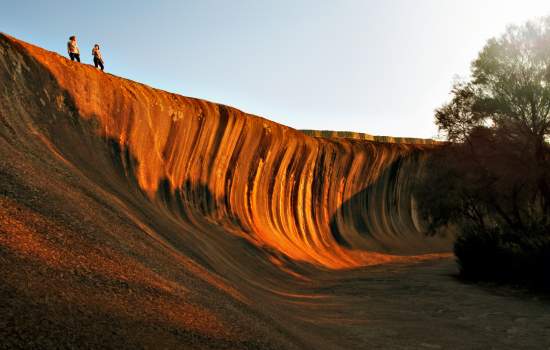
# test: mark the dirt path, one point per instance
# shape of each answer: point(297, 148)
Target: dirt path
point(424, 306)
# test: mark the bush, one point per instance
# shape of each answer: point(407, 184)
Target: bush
point(505, 256)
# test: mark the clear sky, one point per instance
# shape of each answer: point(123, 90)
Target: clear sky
point(374, 66)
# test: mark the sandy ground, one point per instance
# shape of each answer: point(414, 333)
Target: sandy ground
point(396, 306)
point(424, 306)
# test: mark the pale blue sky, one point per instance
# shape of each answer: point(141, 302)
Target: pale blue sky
point(379, 66)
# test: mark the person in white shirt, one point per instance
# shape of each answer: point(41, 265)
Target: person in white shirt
point(72, 48)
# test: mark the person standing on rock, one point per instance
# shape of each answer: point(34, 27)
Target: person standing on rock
point(98, 59)
point(72, 48)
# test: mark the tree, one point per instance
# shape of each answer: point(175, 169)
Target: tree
point(509, 89)
point(493, 177)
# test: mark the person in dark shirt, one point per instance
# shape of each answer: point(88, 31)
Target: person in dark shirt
point(98, 59)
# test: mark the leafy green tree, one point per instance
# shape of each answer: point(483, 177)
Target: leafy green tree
point(509, 89)
point(493, 177)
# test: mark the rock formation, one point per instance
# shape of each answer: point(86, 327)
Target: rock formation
point(146, 175)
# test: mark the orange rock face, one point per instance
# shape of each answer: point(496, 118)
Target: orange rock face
point(334, 202)
point(131, 217)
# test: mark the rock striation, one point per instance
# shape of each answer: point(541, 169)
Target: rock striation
point(330, 201)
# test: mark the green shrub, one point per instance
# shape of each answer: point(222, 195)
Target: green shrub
point(505, 255)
